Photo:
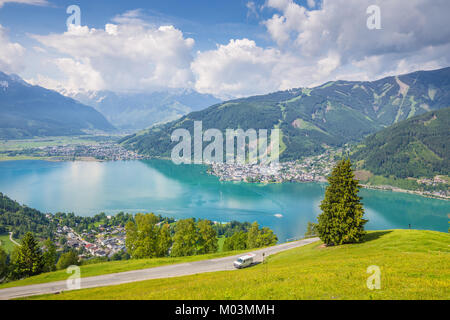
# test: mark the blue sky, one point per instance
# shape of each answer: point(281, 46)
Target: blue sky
point(227, 48)
point(211, 21)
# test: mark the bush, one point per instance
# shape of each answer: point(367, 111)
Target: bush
point(67, 259)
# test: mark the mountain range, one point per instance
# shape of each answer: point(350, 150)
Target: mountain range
point(27, 111)
point(333, 114)
point(137, 111)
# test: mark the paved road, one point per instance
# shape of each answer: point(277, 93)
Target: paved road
point(175, 270)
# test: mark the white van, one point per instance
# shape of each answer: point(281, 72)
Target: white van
point(244, 261)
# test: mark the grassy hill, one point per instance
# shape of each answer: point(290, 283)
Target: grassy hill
point(97, 269)
point(417, 147)
point(332, 114)
point(6, 243)
point(414, 265)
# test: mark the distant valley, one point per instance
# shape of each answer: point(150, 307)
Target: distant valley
point(136, 111)
point(28, 111)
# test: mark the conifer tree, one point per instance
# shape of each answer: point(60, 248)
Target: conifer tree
point(28, 259)
point(341, 220)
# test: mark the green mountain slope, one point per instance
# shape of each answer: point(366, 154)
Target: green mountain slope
point(332, 114)
point(417, 147)
point(20, 219)
point(27, 111)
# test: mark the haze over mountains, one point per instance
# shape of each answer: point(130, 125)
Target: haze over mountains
point(27, 111)
point(136, 111)
point(332, 114)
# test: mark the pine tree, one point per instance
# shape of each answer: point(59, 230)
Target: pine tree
point(28, 259)
point(341, 220)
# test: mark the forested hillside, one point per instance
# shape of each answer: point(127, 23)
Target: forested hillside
point(20, 219)
point(417, 147)
point(332, 114)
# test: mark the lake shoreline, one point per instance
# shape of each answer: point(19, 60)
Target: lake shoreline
point(365, 186)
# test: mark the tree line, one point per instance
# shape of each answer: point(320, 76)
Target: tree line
point(30, 259)
point(147, 237)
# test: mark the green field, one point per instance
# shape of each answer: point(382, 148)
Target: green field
point(10, 145)
point(414, 265)
point(90, 270)
point(24, 144)
point(220, 243)
point(6, 243)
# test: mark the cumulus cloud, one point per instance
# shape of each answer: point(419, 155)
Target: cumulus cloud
point(340, 25)
point(126, 56)
point(311, 44)
point(328, 43)
point(11, 53)
point(241, 68)
point(235, 68)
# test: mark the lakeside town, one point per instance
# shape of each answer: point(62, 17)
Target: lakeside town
point(291, 171)
point(105, 242)
point(309, 169)
point(103, 151)
point(312, 169)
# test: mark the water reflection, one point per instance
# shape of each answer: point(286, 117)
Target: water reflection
point(87, 188)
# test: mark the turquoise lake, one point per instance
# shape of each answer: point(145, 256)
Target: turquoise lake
point(159, 186)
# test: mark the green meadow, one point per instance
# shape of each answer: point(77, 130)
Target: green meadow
point(109, 267)
point(414, 265)
point(6, 243)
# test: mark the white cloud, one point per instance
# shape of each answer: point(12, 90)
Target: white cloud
point(30, 2)
point(242, 68)
point(310, 47)
point(11, 54)
point(328, 43)
point(128, 56)
point(235, 69)
point(340, 25)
